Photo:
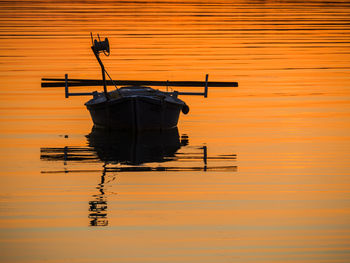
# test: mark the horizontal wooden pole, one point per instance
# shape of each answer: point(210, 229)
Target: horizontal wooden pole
point(74, 80)
point(80, 94)
point(77, 82)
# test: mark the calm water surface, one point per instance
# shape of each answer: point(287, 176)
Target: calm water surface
point(258, 173)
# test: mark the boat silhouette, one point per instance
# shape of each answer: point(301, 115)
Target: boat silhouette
point(136, 105)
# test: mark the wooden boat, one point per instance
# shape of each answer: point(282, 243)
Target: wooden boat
point(136, 108)
point(136, 105)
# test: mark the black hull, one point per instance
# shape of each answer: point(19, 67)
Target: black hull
point(135, 113)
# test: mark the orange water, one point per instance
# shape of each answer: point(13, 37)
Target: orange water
point(285, 192)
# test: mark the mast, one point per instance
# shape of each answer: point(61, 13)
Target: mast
point(97, 47)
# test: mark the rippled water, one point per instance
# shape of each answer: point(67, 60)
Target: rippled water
point(258, 173)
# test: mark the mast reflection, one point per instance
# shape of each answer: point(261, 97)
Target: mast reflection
point(98, 206)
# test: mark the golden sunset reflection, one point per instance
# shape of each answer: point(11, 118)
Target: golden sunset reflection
point(255, 173)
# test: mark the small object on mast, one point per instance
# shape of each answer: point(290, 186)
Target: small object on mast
point(101, 46)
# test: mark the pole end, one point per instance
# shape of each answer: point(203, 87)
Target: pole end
point(66, 91)
point(206, 86)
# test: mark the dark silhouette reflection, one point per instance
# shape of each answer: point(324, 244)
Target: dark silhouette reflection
point(127, 151)
point(136, 152)
point(135, 148)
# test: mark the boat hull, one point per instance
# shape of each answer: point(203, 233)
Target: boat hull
point(135, 113)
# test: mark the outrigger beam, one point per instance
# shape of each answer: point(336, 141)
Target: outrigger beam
point(50, 83)
point(81, 82)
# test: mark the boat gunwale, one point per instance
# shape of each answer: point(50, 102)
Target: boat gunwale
point(150, 99)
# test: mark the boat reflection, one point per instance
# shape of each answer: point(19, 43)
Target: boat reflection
point(126, 152)
point(131, 152)
point(128, 148)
